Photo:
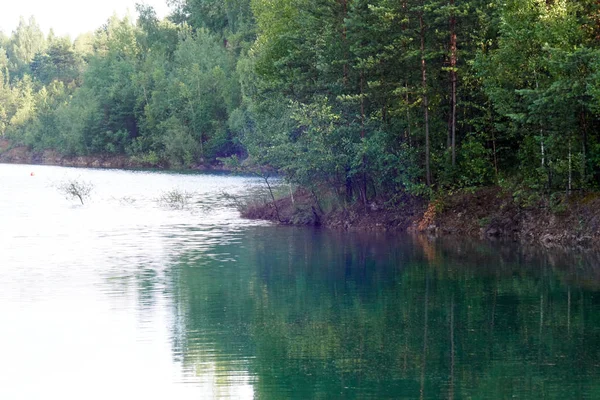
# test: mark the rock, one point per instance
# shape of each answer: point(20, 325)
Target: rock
point(584, 240)
point(548, 239)
point(431, 228)
point(493, 232)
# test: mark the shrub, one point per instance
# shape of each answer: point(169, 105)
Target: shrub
point(175, 198)
point(75, 189)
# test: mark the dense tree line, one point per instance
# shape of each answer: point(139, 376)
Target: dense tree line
point(388, 96)
point(154, 90)
point(368, 98)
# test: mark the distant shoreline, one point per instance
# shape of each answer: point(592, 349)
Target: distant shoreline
point(23, 155)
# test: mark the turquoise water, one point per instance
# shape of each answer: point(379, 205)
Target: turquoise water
point(128, 296)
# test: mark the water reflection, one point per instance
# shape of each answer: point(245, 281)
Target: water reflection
point(85, 294)
point(311, 314)
point(194, 302)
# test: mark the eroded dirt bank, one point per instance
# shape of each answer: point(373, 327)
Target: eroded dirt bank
point(23, 155)
point(485, 213)
point(11, 154)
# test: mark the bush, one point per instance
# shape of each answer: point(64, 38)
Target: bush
point(176, 199)
point(75, 189)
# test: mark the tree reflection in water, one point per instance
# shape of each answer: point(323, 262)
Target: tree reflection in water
point(312, 314)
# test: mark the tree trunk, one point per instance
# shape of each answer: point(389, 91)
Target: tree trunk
point(542, 148)
point(425, 334)
point(266, 179)
point(425, 99)
point(569, 310)
point(541, 328)
point(292, 194)
point(362, 136)
point(452, 352)
point(570, 187)
point(349, 191)
point(408, 135)
point(493, 130)
point(404, 26)
point(344, 4)
point(453, 79)
point(584, 146)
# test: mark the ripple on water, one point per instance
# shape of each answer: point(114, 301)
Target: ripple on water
point(84, 289)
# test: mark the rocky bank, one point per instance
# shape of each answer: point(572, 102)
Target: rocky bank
point(489, 212)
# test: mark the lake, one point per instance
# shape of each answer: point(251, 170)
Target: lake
point(134, 295)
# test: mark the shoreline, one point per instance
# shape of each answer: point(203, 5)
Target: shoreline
point(23, 155)
point(486, 213)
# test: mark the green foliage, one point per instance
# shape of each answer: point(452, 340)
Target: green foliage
point(59, 62)
point(180, 148)
point(364, 98)
point(475, 165)
point(558, 203)
point(526, 198)
point(484, 222)
point(27, 41)
point(150, 159)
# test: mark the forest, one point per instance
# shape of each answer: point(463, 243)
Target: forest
point(365, 99)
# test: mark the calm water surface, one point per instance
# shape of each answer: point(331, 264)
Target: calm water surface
point(126, 297)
